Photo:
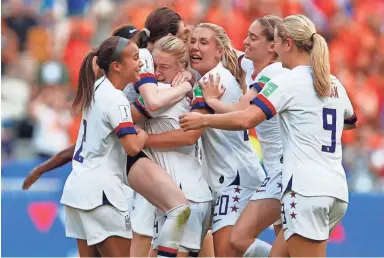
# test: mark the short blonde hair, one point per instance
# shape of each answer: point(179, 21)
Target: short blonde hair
point(302, 31)
point(175, 46)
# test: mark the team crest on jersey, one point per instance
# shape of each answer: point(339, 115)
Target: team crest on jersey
point(197, 91)
point(269, 89)
point(125, 113)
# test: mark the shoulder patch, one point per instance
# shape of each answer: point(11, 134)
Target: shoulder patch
point(269, 88)
point(264, 79)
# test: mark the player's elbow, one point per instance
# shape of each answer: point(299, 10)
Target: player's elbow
point(349, 126)
point(245, 122)
point(193, 136)
point(133, 149)
point(152, 106)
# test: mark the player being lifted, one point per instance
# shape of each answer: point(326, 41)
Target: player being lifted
point(232, 167)
point(183, 164)
point(313, 109)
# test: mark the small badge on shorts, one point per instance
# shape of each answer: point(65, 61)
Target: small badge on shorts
point(281, 159)
point(128, 225)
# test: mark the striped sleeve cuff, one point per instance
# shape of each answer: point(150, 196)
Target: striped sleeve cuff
point(199, 103)
point(124, 129)
point(239, 59)
point(351, 120)
point(265, 105)
point(145, 78)
point(257, 86)
point(141, 108)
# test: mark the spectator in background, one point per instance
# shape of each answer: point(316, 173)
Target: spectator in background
point(20, 19)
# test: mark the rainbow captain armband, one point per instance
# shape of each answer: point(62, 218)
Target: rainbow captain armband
point(198, 100)
point(258, 86)
point(351, 120)
point(124, 129)
point(140, 105)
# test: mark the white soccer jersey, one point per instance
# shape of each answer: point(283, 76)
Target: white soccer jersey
point(131, 93)
point(99, 161)
point(312, 129)
point(268, 132)
point(181, 163)
point(229, 156)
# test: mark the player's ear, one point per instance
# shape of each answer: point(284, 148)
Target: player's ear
point(289, 43)
point(115, 66)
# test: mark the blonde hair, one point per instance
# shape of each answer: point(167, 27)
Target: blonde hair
point(303, 33)
point(229, 59)
point(175, 46)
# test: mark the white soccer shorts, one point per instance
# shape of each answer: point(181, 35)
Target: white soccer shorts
point(97, 224)
point(143, 215)
point(230, 202)
point(313, 217)
point(271, 188)
point(194, 231)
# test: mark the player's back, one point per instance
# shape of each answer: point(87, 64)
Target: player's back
point(312, 129)
point(98, 165)
point(228, 154)
point(183, 164)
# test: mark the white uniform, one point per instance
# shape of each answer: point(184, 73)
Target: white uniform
point(314, 184)
point(185, 169)
point(143, 211)
point(99, 170)
point(233, 169)
point(269, 136)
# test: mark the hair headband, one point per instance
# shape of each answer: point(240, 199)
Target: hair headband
point(123, 42)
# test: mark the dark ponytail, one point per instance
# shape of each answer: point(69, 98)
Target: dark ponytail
point(86, 81)
point(87, 78)
point(159, 23)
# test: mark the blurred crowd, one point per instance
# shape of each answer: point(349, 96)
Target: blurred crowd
point(44, 41)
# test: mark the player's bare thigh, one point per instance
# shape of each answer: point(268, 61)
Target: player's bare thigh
point(154, 183)
point(140, 245)
point(255, 218)
point(114, 246)
point(85, 250)
point(221, 243)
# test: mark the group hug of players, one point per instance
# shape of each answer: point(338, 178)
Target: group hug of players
point(163, 155)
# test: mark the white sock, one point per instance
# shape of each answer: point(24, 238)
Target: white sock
point(259, 248)
point(171, 231)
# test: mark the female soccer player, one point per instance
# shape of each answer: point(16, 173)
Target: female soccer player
point(183, 164)
point(313, 110)
point(232, 166)
point(98, 202)
point(264, 207)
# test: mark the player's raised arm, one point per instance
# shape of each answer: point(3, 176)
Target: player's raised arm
point(60, 159)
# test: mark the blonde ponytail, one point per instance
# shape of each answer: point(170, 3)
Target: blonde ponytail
point(319, 60)
point(303, 33)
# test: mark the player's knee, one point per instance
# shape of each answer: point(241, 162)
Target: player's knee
point(180, 213)
point(236, 238)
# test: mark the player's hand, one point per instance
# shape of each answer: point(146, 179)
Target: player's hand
point(187, 86)
point(31, 178)
point(191, 121)
point(183, 76)
point(211, 88)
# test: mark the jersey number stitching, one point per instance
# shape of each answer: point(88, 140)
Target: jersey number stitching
point(77, 155)
point(329, 127)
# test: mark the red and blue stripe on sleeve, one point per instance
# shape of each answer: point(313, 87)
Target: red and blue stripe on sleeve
point(265, 105)
point(124, 129)
point(199, 103)
point(141, 108)
point(258, 86)
point(351, 120)
point(145, 78)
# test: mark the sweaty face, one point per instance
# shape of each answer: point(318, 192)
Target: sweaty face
point(204, 52)
point(280, 47)
point(166, 66)
point(130, 63)
point(257, 46)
